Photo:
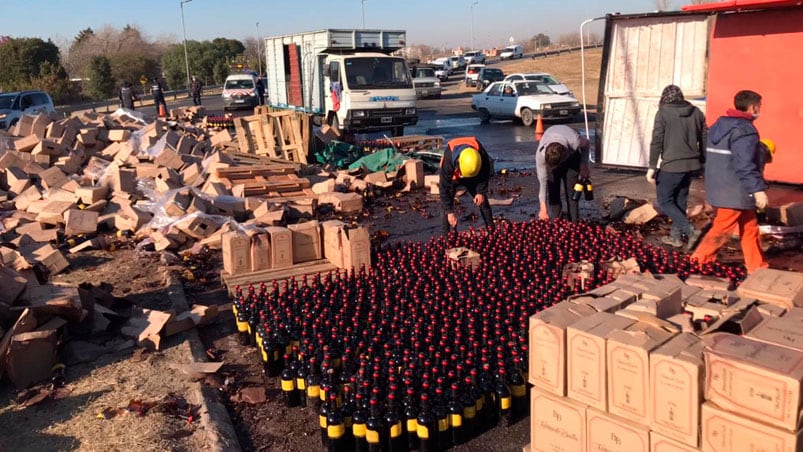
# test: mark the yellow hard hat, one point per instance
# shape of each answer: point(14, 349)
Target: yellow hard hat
point(769, 144)
point(469, 162)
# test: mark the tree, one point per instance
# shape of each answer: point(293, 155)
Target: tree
point(204, 58)
point(100, 84)
point(569, 39)
point(540, 41)
point(21, 59)
point(221, 71)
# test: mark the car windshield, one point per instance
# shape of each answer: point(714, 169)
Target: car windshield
point(473, 69)
point(424, 72)
point(543, 78)
point(493, 73)
point(6, 101)
point(239, 84)
point(527, 88)
point(376, 72)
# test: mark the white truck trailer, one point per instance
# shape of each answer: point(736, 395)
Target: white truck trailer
point(346, 77)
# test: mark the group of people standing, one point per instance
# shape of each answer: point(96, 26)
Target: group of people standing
point(127, 95)
point(731, 153)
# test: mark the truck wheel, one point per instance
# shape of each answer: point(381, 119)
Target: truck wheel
point(526, 117)
point(485, 116)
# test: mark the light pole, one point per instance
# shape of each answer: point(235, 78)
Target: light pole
point(184, 31)
point(363, 14)
point(472, 24)
point(259, 56)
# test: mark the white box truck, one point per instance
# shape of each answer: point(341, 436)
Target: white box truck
point(346, 77)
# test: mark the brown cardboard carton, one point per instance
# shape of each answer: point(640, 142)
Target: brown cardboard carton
point(91, 195)
point(761, 381)
point(13, 284)
point(306, 241)
point(547, 347)
point(607, 432)
point(557, 424)
point(723, 431)
point(281, 246)
point(774, 286)
point(52, 178)
point(414, 169)
point(51, 258)
point(794, 313)
point(628, 363)
point(356, 248)
point(332, 244)
point(783, 331)
point(31, 357)
point(659, 443)
point(236, 247)
point(464, 257)
point(260, 252)
point(586, 370)
point(676, 388)
point(80, 222)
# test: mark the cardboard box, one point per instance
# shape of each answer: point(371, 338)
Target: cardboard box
point(761, 381)
point(727, 432)
point(659, 443)
point(628, 363)
point(306, 241)
point(13, 284)
point(236, 248)
point(51, 258)
point(31, 357)
point(91, 195)
point(586, 370)
point(414, 169)
point(346, 248)
point(607, 432)
point(556, 423)
point(80, 222)
point(464, 257)
point(778, 287)
point(677, 371)
point(547, 346)
point(342, 202)
point(260, 252)
point(783, 331)
point(281, 246)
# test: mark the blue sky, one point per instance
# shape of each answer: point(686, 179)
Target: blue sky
point(439, 23)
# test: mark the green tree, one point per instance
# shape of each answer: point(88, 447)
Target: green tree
point(204, 59)
point(540, 41)
point(100, 84)
point(53, 79)
point(221, 72)
point(21, 59)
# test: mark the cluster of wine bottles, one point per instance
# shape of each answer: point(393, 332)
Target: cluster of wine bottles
point(222, 122)
point(419, 354)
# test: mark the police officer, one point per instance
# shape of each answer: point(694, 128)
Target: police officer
point(465, 163)
point(158, 95)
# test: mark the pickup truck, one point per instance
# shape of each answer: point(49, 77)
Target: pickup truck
point(426, 83)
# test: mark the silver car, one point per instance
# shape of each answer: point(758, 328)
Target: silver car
point(14, 105)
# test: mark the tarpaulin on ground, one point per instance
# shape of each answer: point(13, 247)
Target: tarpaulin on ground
point(339, 154)
point(383, 159)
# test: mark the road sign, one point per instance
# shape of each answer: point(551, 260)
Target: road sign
point(143, 80)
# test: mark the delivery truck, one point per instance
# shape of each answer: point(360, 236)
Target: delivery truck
point(347, 78)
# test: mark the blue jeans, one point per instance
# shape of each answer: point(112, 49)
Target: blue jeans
point(673, 193)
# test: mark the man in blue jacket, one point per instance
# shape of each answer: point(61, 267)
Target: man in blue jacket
point(734, 182)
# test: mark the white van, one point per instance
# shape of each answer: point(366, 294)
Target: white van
point(240, 91)
point(511, 52)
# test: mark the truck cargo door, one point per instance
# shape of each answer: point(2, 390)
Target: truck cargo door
point(295, 94)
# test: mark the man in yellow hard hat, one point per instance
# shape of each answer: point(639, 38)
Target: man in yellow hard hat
point(465, 163)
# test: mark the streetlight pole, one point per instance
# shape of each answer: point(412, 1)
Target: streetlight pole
point(259, 56)
point(184, 31)
point(472, 24)
point(363, 14)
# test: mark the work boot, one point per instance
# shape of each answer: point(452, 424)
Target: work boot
point(694, 237)
point(672, 241)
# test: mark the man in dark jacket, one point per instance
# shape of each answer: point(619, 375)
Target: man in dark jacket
point(158, 95)
point(734, 182)
point(196, 88)
point(679, 140)
point(127, 96)
point(465, 162)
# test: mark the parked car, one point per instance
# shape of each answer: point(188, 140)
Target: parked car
point(240, 91)
point(426, 83)
point(472, 71)
point(487, 76)
point(523, 100)
point(14, 105)
point(457, 61)
point(541, 77)
point(511, 52)
point(474, 57)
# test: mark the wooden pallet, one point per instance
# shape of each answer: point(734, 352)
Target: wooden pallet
point(251, 171)
point(281, 134)
point(254, 159)
point(261, 185)
point(278, 274)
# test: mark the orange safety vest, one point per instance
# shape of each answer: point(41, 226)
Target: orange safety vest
point(469, 141)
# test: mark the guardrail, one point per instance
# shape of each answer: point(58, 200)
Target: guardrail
point(142, 100)
point(562, 50)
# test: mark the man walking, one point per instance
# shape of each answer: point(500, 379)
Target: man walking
point(466, 163)
point(127, 96)
point(679, 138)
point(562, 155)
point(734, 182)
point(158, 95)
point(195, 88)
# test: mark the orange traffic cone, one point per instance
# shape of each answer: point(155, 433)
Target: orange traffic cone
point(163, 113)
point(539, 128)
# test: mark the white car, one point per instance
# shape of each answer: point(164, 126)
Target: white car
point(443, 68)
point(541, 77)
point(426, 83)
point(524, 101)
point(474, 57)
point(472, 72)
point(511, 52)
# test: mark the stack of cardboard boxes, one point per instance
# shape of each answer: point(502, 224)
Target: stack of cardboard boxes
point(276, 248)
point(655, 364)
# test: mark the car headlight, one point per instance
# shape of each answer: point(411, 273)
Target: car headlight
point(575, 104)
point(409, 111)
point(358, 113)
point(546, 106)
point(3, 115)
point(437, 83)
point(226, 95)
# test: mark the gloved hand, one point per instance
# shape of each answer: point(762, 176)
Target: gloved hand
point(651, 176)
point(761, 199)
